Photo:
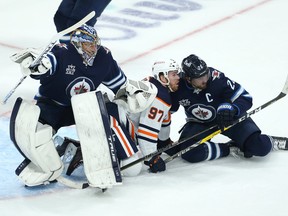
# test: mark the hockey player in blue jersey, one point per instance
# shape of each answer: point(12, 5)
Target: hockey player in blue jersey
point(70, 12)
point(211, 98)
point(79, 67)
point(64, 72)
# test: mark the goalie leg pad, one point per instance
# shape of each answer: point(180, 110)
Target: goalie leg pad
point(32, 175)
point(34, 142)
point(99, 155)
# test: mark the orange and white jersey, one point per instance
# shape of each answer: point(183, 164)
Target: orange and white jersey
point(154, 122)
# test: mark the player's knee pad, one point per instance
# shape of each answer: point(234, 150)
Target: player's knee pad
point(258, 145)
point(133, 170)
point(34, 142)
point(197, 154)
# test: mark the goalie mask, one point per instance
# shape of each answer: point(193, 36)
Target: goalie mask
point(86, 42)
point(163, 67)
point(136, 96)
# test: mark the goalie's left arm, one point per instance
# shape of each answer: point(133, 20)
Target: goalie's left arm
point(26, 59)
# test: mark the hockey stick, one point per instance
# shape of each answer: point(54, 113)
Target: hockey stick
point(282, 94)
point(72, 184)
point(48, 48)
point(169, 146)
point(159, 151)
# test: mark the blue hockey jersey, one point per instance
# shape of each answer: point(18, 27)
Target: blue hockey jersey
point(201, 105)
point(69, 75)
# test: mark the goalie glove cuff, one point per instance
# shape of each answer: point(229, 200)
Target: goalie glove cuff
point(44, 66)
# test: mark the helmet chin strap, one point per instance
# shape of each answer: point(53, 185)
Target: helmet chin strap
point(167, 84)
point(170, 89)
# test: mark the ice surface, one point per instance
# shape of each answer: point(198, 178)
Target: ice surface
point(246, 39)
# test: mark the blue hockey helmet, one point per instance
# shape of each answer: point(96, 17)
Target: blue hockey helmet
point(85, 34)
point(194, 67)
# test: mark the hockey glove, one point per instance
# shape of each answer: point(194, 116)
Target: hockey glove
point(225, 115)
point(163, 143)
point(39, 69)
point(156, 164)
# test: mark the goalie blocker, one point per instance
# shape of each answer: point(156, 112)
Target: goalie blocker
point(100, 162)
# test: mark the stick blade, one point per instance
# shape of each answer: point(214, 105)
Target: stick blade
point(285, 88)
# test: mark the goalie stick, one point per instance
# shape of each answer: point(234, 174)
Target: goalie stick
point(282, 94)
point(51, 44)
point(82, 185)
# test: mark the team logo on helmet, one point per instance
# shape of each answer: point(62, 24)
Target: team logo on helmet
point(202, 112)
point(80, 85)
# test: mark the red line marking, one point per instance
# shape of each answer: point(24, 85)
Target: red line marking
point(199, 30)
point(217, 22)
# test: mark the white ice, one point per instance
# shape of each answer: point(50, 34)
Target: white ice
point(246, 39)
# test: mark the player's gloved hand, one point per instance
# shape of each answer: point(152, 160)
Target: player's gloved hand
point(156, 164)
point(163, 143)
point(225, 115)
point(38, 69)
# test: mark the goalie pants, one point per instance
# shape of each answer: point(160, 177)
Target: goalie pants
point(246, 135)
point(55, 115)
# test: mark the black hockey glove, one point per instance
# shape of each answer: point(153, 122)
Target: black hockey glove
point(162, 144)
point(156, 164)
point(225, 115)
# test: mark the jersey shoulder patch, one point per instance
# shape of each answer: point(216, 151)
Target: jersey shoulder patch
point(215, 74)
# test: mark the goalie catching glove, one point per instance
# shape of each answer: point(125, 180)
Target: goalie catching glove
point(26, 60)
point(136, 96)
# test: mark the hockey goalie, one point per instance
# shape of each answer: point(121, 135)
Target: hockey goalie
point(100, 155)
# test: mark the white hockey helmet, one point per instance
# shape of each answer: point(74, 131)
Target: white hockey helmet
point(163, 67)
